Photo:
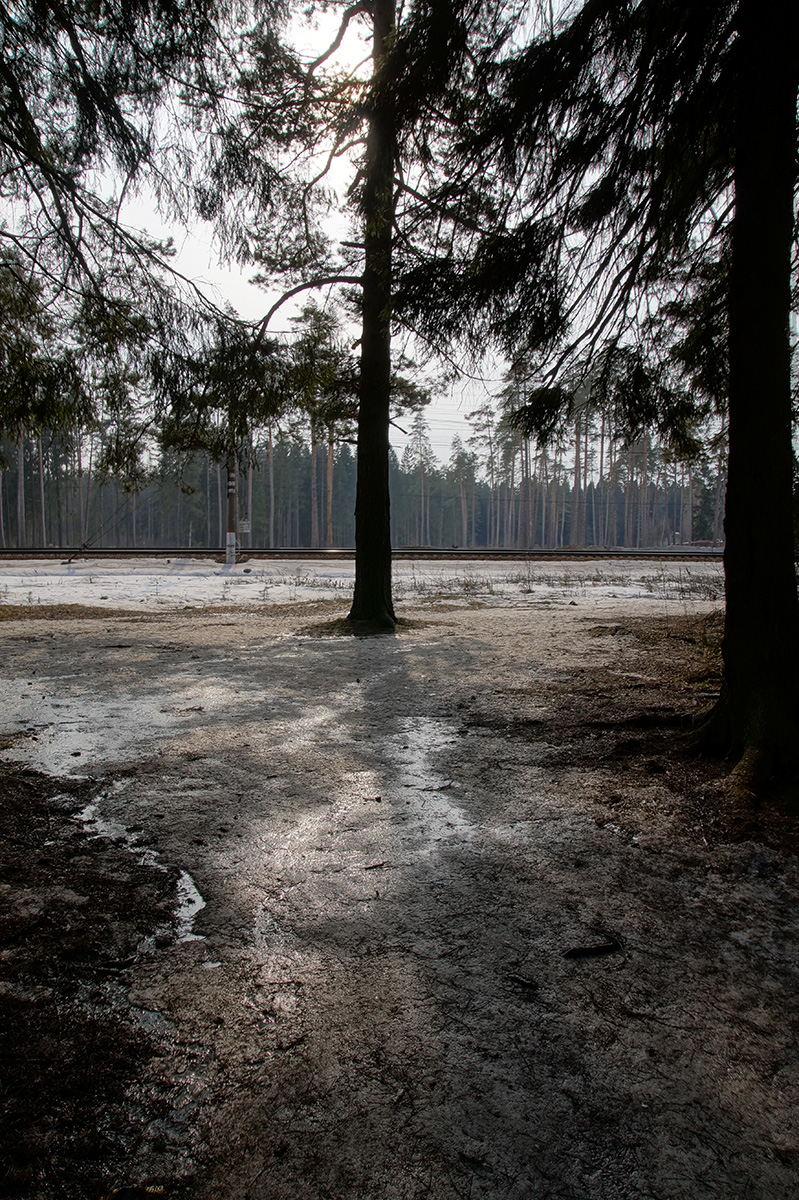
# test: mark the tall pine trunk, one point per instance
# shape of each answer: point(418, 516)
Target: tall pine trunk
point(21, 542)
point(331, 445)
point(249, 495)
point(314, 487)
point(220, 523)
point(758, 713)
point(574, 524)
point(372, 600)
point(271, 488)
point(42, 510)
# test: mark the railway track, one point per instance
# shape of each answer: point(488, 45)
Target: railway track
point(672, 553)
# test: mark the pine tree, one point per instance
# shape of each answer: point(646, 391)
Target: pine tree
point(390, 119)
point(634, 154)
point(107, 98)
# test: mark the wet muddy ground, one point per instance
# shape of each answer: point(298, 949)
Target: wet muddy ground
point(291, 915)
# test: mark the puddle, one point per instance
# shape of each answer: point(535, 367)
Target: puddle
point(189, 900)
point(96, 825)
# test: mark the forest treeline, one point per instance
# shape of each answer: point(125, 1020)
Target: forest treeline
point(498, 488)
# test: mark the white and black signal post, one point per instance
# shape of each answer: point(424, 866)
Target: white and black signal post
point(230, 538)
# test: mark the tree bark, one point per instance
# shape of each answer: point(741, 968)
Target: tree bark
point(21, 542)
point(41, 491)
point(586, 435)
point(758, 712)
point(372, 601)
point(85, 519)
point(220, 523)
point(249, 497)
point(331, 445)
point(544, 490)
point(314, 488)
point(271, 488)
point(208, 502)
point(574, 516)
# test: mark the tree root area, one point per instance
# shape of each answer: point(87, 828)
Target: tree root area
point(288, 915)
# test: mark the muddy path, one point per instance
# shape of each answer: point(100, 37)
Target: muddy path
point(448, 914)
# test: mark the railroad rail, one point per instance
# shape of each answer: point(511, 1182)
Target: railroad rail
point(664, 553)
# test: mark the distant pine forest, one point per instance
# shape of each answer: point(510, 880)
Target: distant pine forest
point(296, 491)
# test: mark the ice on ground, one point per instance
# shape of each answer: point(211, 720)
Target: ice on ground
point(163, 584)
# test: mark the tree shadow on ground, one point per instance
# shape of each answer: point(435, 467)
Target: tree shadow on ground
point(343, 627)
point(637, 728)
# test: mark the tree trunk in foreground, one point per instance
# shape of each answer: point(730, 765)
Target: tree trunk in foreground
point(372, 600)
point(758, 712)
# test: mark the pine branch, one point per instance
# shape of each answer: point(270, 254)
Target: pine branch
point(349, 14)
point(318, 281)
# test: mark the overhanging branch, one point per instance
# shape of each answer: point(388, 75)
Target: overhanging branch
point(317, 282)
point(349, 14)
